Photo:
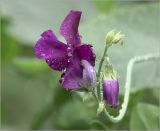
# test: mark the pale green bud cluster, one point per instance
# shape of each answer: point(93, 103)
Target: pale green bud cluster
point(109, 73)
point(114, 37)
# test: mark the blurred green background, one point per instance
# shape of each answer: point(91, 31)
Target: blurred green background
point(31, 97)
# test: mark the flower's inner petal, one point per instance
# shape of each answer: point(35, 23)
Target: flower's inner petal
point(52, 50)
point(69, 28)
point(89, 74)
point(86, 53)
point(72, 78)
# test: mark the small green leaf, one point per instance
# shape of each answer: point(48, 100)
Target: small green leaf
point(145, 117)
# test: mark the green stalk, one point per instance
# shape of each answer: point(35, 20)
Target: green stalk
point(99, 72)
point(101, 62)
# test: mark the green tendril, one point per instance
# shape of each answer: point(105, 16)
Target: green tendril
point(131, 63)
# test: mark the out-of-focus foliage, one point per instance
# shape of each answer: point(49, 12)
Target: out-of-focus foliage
point(145, 117)
point(104, 6)
point(31, 95)
point(35, 16)
point(30, 65)
point(9, 45)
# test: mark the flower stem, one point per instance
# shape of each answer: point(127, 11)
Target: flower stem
point(95, 96)
point(101, 62)
point(101, 88)
point(131, 63)
point(99, 72)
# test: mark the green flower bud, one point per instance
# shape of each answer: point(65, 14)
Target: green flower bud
point(114, 37)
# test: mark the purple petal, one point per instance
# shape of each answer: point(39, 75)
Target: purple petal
point(89, 74)
point(69, 28)
point(85, 52)
point(111, 91)
point(52, 50)
point(72, 78)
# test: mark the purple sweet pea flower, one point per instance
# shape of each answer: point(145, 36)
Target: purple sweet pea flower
point(74, 58)
point(111, 91)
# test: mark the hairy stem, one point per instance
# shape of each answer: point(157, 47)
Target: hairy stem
point(99, 72)
point(131, 63)
point(101, 62)
point(95, 96)
point(101, 88)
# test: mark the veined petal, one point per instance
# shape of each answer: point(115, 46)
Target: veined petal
point(85, 52)
point(111, 91)
point(72, 77)
point(52, 50)
point(89, 74)
point(69, 28)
